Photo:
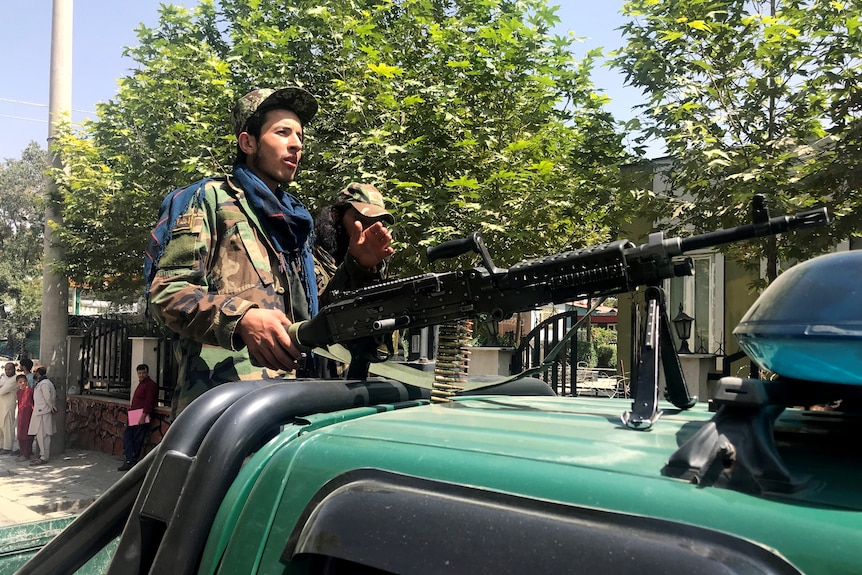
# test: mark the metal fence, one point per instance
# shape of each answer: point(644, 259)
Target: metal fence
point(165, 370)
point(106, 357)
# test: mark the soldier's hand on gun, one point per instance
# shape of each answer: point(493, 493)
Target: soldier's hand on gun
point(264, 332)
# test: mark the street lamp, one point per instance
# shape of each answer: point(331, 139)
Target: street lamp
point(682, 324)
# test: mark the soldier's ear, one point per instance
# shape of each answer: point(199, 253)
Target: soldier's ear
point(247, 143)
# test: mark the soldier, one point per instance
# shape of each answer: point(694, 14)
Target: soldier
point(339, 231)
point(239, 269)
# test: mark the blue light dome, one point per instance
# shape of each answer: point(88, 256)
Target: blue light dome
point(808, 323)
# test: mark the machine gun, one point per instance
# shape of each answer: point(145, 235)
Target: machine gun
point(490, 292)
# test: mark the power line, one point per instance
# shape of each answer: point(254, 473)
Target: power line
point(21, 118)
point(22, 102)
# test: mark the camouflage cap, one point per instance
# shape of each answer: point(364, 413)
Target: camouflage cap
point(297, 100)
point(367, 200)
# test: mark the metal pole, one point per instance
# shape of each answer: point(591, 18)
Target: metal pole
point(55, 285)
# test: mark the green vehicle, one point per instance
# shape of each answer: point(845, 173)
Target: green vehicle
point(481, 484)
point(372, 476)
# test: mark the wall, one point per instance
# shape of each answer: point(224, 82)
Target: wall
point(490, 360)
point(98, 423)
point(738, 298)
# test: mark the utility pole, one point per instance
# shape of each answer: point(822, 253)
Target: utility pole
point(55, 285)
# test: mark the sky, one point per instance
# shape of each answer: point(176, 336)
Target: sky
point(103, 28)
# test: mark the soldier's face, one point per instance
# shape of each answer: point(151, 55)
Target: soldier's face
point(275, 155)
point(352, 215)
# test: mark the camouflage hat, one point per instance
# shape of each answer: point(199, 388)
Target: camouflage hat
point(367, 200)
point(297, 100)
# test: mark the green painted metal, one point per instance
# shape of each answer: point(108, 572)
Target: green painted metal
point(573, 451)
point(20, 542)
point(568, 450)
point(230, 508)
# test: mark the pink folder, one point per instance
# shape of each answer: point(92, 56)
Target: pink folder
point(137, 417)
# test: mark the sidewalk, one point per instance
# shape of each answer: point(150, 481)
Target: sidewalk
point(65, 486)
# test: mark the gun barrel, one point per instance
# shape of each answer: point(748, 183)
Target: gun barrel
point(390, 323)
point(776, 225)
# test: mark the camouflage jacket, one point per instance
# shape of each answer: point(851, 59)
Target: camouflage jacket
point(218, 265)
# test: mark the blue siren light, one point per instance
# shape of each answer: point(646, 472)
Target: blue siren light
point(808, 323)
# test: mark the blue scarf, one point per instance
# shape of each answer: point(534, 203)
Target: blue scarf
point(289, 225)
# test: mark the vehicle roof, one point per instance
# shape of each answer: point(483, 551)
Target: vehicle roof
point(573, 451)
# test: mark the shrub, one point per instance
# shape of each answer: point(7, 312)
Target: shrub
point(606, 355)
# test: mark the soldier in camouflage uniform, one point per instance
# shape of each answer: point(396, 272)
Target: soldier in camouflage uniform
point(338, 230)
point(238, 269)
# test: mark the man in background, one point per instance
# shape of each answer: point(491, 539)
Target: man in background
point(139, 416)
point(42, 424)
point(8, 403)
point(27, 370)
point(358, 212)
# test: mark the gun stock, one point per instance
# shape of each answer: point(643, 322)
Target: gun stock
point(602, 270)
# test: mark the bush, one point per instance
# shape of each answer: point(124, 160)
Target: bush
point(606, 355)
point(604, 336)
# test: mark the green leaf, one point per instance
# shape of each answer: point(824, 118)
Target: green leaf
point(699, 25)
point(385, 70)
point(463, 182)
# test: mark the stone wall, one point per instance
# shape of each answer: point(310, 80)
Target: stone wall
point(98, 423)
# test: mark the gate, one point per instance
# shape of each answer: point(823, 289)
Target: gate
point(165, 369)
point(106, 355)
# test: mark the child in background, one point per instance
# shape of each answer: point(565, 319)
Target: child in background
point(25, 412)
point(26, 369)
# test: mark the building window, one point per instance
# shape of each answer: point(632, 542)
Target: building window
point(701, 295)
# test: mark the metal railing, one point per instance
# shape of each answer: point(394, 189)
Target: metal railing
point(106, 356)
point(165, 369)
point(566, 374)
point(532, 350)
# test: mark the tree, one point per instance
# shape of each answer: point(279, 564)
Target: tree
point(22, 185)
point(470, 116)
point(752, 97)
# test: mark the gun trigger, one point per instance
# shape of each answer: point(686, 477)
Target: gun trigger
point(383, 348)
